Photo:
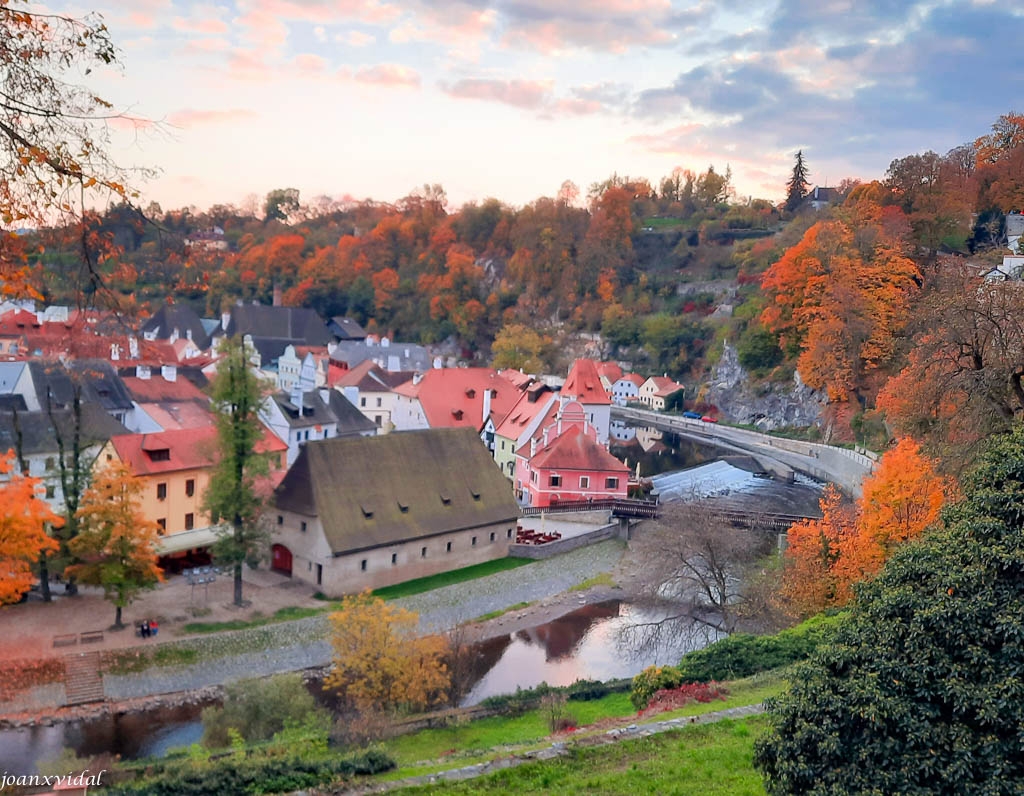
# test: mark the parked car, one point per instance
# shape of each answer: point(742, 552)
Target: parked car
point(692, 415)
point(709, 419)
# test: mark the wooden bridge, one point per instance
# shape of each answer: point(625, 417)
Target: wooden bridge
point(630, 508)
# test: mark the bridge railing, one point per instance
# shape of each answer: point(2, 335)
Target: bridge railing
point(625, 507)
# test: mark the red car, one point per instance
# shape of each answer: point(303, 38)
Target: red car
point(709, 419)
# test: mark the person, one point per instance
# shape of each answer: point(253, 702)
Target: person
point(145, 629)
point(154, 627)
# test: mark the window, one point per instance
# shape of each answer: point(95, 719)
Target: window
point(302, 526)
point(362, 565)
point(611, 483)
point(448, 547)
point(110, 457)
point(161, 491)
point(163, 525)
point(508, 533)
point(423, 552)
point(376, 419)
point(161, 455)
point(394, 559)
point(555, 480)
point(319, 574)
point(533, 476)
point(584, 482)
point(280, 520)
point(50, 492)
point(492, 536)
point(190, 522)
point(190, 487)
point(474, 542)
point(362, 402)
point(378, 403)
point(50, 463)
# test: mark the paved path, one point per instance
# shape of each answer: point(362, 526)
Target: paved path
point(557, 749)
point(303, 644)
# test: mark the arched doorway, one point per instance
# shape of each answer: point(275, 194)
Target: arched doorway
point(281, 559)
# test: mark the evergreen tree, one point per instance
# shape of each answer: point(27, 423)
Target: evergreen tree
point(232, 496)
point(797, 187)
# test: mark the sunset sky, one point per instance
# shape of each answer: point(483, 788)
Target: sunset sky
point(508, 98)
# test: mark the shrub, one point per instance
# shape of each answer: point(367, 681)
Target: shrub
point(553, 707)
point(587, 690)
point(650, 681)
point(360, 729)
point(743, 654)
point(257, 709)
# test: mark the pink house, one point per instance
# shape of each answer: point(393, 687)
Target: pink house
point(568, 465)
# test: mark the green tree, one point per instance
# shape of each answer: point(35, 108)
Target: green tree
point(258, 709)
point(116, 544)
point(518, 346)
point(797, 187)
point(281, 204)
point(232, 495)
point(921, 691)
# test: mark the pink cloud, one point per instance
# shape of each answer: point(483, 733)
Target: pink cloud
point(309, 63)
point(326, 12)
point(248, 65)
point(207, 26)
point(130, 123)
point(208, 45)
point(528, 94)
point(355, 38)
point(392, 75)
point(191, 117)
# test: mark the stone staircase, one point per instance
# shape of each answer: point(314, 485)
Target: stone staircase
point(82, 679)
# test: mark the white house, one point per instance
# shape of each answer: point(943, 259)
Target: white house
point(626, 389)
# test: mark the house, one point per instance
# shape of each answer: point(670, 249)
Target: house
point(164, 401)
point(211, 239)
point(42, 435)
point(1012, 269)
point(610, 373)
point(453, 398)
point(345, 329)
point(174, 322)
point(274, 328)
point(820, 198)
point(16, 382)
point(583, 384)
point(304, 416)
point(92, 380)
point(389, 355)
point(535, 408)
point(367, 512)
point(371, 389)
point(175, 468)
point(658, 391)
point(1014, 231)
point(572, 466)
point(627, 388)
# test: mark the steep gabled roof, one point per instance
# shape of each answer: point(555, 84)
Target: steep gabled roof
point(346, 328)
point(100, 384)
point(525, 412)
point(454, 397)
point(169, 317)
point(368, 376)
point(157, 389)
point(633, 378)
point(377, 491)
point(584, 383)
point(39, 435)
point(574, 450)
point(295, 325)
point(351, 422)
point(609, 370)
point(187, 449)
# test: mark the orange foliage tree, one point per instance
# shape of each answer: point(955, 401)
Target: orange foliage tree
point(24, 516)
point(851, 543)
point(116, 546)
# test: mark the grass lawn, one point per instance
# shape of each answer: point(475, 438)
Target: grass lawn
point(280, 615)
point(712, 760)
point(420, 585)
point(600, 579)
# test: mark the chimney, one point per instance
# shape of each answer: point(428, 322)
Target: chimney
point(487, 406)
point(225, 319)
point(438, 364)
point(277, 294)
point(169, 372)
point(295, 396)
point(175, 334)
point(115, 352)
point(325, 395)
point(384, 342)
point(133, 348)
point(142, 372)
point(417, 378)
point(188, 335)
point(533, 447)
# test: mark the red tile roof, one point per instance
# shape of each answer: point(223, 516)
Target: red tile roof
point(189, 449)
point(574, 450)
point(517, 377)
point(634, 378)
point(609, 370)
point(454, 397)
point(524, 412)
point(584, 383)
point(157, 389)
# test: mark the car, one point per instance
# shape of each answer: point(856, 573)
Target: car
point(692, 415)
point(709, 419)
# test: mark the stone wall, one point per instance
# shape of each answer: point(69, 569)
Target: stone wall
point(539, 551)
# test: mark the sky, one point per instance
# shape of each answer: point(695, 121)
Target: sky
point(509, 98)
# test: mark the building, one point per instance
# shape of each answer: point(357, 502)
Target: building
point(345, 329)
point(301, 417)
point(658, 392)
point(389, 355)
point(174, 322)
point(820, 197)
point(627, 388)
point(1014, 231)
point(164, 401)
point(371, 389)
point(584, 385)
point(274, 328)
point(570, 467)
point(535, 408)
point(367, 512)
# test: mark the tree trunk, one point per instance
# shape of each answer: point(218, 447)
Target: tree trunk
point(44, 579)
point(238, 585)
point(117, 618)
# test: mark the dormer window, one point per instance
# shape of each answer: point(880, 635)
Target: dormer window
point(446, 500)
point(367, 513)
point(402, 507)
point(160, 455)
point(475, 494)
point(457, 414)
point(471, 393)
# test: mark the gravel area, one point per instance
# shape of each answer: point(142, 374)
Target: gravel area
point(302, 644)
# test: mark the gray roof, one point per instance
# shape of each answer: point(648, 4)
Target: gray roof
point(315, 412)
point(38, 430)
point(351, 422)
point(100, 384)
point(345, 328)
point(10, 372)
point(383, 490)
point(181, 317)
point(1014, 224)
point(394, 356)
point(294, 325)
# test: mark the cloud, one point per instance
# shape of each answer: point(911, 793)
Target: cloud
point(390, 75)
point(192, 117)
point(527, 94)
point(206, 26)
point(355, 38)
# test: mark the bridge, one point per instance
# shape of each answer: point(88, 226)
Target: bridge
point(629, 508)
point(841, 466)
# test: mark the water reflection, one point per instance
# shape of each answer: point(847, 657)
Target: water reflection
point(657, 451)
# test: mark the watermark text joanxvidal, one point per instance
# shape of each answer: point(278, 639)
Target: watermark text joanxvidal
point(83, 779)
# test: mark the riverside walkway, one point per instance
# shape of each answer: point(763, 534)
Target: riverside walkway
point(841, 466)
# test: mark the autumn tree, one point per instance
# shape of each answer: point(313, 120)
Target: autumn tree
point(519, 347)
point(54, 133)
point(797, 187)
point(379, 662)
point(24, 517)
point(232, 496)
point(281, 204)
point(116, 546)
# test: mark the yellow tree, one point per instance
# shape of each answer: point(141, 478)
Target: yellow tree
point(23, 538)
point(116, 546)
point(380, 663)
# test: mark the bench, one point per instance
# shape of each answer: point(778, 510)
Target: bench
point(66, 640)
point(91, 635)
